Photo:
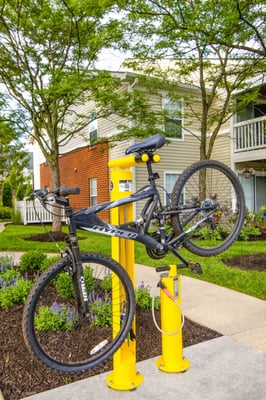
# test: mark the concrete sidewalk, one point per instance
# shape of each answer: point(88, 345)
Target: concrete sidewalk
point(221, 369)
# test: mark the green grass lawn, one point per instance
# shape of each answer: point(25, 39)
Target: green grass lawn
point(214, 270)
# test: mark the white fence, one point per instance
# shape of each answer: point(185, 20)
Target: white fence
point(32, 214)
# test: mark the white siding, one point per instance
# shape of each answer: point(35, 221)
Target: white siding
point(222, 149)
point(175, 157)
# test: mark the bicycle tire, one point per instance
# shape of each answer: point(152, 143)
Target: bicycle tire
point(204, 185)
point(88, 342)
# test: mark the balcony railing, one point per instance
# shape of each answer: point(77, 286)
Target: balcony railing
point(250, 135)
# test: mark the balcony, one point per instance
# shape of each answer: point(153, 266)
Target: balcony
point(250, 135)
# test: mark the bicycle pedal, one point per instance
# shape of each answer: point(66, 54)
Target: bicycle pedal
point(195, 268)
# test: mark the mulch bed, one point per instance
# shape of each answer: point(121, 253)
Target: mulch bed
point(251, 262)
point(21, 375)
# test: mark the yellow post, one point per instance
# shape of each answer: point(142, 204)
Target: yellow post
point(172, 359)
point(124, 375)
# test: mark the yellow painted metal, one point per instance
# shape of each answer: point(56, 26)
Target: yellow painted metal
point(172, 359)
point(131, 161)
point(124, 375)
point(125, 163)
point(156, 158)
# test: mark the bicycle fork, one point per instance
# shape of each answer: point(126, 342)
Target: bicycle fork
point(77, 275)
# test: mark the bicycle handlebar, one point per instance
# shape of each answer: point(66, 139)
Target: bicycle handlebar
point(63, 191)
point(41, 193)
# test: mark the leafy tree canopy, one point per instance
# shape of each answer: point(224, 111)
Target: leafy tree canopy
point(218, 45)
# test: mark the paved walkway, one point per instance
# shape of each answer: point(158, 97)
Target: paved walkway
point(232, 367)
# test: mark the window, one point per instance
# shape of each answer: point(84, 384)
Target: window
point(93, 191)
point(173, 118)
point(93, 127)
point(169, 181)
point(246, 113)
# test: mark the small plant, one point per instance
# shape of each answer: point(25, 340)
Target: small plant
point(7, 193)
point(16, 217)
point(54, 318)
point(31, 261)
point(107, 283)
point(208, 233)
point(64, 285)
point(47, 262)
point(20, 192)
point(100, 310)
point(144, 298)
point(5, 264)
point(8, 278)
point(248, 172)
point(13, 287)
point(5, 213)
point(15, 293)
point(247, 231)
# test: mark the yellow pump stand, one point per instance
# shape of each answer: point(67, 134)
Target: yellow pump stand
point(124, 375)
point(172, 359)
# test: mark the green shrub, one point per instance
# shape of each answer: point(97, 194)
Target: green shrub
point(16, 217)
point(20, 192)
point(107, 283)
point(5, 264)
point(54, 318)
point(144, 298)
point(9, 277)
point(5, 212)
point(7, 194)
point(29, 190)
point(64, 284)
point(47, 262)
point(15, 293)
point(247, 231)
point(101, 312)
point(32, 261)
point(208, 233)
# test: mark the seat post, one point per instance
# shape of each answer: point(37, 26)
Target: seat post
point(151, 174)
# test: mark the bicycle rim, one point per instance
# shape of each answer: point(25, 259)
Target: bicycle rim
point(55, 331)
point(212, 207)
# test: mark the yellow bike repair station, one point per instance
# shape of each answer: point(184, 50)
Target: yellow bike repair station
point(125, 375)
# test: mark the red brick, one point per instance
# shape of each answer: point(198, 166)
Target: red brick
point(76, 169)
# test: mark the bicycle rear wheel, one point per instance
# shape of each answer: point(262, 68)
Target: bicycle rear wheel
point(210, 206)
point(57, 333)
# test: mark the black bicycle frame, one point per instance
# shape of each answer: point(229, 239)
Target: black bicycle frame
point(87, 219)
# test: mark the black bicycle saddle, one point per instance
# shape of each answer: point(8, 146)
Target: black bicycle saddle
point(150, 144)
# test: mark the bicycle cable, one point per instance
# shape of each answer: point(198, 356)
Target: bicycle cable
point(44, 227)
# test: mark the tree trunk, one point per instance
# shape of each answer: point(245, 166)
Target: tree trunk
point(55, 177)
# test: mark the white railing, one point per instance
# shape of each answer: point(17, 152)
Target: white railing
point(250, 135)
point(32, 214)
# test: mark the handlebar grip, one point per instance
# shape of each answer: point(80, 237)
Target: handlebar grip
point(65, 190)
point(42, 193)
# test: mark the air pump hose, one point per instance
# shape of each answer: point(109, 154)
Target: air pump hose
point(168, 294)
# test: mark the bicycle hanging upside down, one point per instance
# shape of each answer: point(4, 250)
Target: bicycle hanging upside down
point(89, 297)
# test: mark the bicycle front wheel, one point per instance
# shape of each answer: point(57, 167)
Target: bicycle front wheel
point(55, 329)
point(210, 207)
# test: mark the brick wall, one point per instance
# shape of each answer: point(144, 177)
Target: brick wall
point(76, 169)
